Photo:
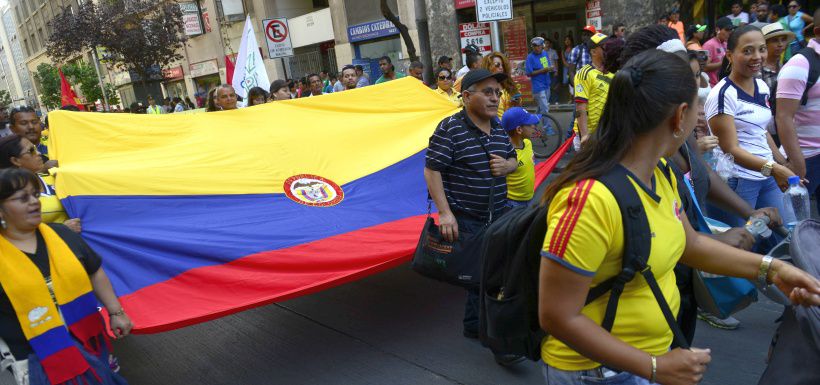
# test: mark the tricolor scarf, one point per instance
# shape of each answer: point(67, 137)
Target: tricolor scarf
point(43, 324)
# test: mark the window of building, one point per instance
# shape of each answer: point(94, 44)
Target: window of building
point(28, 49)
point(40, 35)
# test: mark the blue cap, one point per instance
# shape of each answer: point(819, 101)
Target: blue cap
point(516, 117)
point(794, 179)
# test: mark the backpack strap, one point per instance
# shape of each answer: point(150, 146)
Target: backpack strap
point(637, 247)
point(814, 71)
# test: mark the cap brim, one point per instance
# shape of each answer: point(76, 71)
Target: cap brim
point(532, 119)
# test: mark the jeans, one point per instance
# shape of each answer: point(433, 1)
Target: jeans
point(757, 193)
point(470, 225)
point(555, 376)
point(813, 175)
point(542, 98)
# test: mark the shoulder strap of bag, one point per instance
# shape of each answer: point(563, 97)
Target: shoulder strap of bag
point(491, 207)
point(814, 71)
point(637, 247)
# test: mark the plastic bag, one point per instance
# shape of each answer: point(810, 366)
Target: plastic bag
point(725, 166)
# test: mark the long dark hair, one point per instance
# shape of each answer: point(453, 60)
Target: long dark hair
point(642, 95)
point(731, 44)
point(10, 146)
point(255, 92)
point(15, 179)
point(645, 39)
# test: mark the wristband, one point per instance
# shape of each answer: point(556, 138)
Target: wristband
point(120, 312)
point(654, 375)
point(763, 271)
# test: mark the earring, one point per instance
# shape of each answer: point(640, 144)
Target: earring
point(677, 134)
point(3, 223)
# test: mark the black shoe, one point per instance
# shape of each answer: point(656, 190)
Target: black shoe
point(508, 359)
point(470, 334)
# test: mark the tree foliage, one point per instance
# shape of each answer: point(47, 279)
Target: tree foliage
point(5, 99)
point(138, 34)
point(49, 81)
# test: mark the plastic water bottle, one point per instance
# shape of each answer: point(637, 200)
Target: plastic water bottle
point(759, 227)
point(795, 203)
point(710, 158)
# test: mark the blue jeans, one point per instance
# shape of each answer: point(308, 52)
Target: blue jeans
point(555, 376)
point(542, 99)
point(813, 175)
point(757, 193)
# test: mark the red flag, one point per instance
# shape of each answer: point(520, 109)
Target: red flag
point(229, 68)
point(67, 95)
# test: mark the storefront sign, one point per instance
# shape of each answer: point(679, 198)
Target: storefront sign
point(175, 73)
point(460, 4)
point(277, 37)
point(493, 10)
point(312, 28)
point(203, 68)
point(190, 18)
point(477, 34)
point(516, 47)
point(594, 14)
point(371, 30)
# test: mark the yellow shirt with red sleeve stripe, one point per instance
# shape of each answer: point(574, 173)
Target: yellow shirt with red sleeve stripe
point(586, 236)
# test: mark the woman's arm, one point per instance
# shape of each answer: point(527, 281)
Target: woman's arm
point(776, 154)
point(562, 294)
point(806, 18)
point(706, 254)
point(120, 323)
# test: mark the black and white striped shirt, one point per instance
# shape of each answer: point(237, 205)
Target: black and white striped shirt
point(455, 152)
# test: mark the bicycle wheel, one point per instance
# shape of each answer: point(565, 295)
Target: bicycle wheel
point(551, 137)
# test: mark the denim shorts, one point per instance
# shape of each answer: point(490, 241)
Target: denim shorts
point(597, 376)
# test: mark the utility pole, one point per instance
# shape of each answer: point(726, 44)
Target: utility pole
point(496, 36)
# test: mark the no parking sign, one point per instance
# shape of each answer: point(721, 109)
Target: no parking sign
point(277, 37)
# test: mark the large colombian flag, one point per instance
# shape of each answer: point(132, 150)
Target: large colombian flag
point(202, 215)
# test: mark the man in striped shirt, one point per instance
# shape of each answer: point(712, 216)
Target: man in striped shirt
point(467, 160)
point(798, 126)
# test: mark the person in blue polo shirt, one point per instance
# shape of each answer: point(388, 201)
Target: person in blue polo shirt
point(538, 68)
point(461, 174)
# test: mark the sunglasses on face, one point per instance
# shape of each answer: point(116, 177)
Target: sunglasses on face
point(498, 65)
point(793, 6)
point(442, 77)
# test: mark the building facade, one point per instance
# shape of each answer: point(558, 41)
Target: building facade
point(14, 74)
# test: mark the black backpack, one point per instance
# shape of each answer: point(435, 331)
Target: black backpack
point(511, 261)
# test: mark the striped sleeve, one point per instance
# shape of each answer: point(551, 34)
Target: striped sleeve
point(439, 154)
point(580, 227)
point(791, 81)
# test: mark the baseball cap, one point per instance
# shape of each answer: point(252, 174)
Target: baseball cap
point(537, 41)
point(479, 74)
point(700, 28)
point(590, 29)
point(596, 40)
point(443, 59)
point(516, 117)
point(471, 48)
point(724, 23)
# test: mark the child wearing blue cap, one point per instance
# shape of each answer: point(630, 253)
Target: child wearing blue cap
point(520, 126)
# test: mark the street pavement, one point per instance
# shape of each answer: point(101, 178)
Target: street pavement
point(395, 327)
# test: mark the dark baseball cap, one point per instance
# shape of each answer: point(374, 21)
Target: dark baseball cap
point(444, 59)
point(724, 23)
point(478, 75)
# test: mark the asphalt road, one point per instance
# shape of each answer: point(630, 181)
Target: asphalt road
point(391, 328)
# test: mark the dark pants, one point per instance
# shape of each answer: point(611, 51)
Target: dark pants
point(470, 225)
point(688, 313)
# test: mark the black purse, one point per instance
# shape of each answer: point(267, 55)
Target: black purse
point(457, 263)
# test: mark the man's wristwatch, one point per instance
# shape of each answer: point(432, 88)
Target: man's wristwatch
point(767, 168)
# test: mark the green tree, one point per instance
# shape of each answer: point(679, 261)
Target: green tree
point(85, 76)
point(5, 99)
point(49, 81)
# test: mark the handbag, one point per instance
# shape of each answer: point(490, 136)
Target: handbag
point(458, 262)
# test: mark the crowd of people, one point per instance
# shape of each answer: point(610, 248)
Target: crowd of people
point(661, 103)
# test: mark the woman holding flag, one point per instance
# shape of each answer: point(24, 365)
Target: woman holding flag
point(51, 281)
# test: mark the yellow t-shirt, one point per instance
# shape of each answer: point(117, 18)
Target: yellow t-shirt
point(50, 206)
point(521, 183)
point(453, 98)
point(591, 87)
point(585, 235)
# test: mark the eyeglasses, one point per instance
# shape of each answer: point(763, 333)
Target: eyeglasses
point(489, 92)
point(442, 77)
point(794, 6)
point(498, 65)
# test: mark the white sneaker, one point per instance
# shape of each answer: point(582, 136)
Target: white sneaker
point(728, 323)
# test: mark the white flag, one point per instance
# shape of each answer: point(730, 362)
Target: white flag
point(250, 70)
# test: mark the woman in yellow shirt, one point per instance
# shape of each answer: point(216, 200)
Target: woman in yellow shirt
point(496, 62)
point(19, 152)
point(643, 122)
point(444, 85)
